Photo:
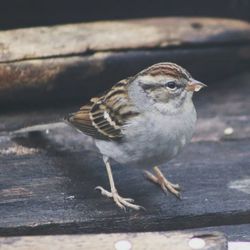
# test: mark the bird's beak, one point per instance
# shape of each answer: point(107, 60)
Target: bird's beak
point(195, 86)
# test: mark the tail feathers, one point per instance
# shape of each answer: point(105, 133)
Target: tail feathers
point(80, 120)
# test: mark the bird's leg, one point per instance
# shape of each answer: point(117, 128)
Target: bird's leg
point(160, 179)
point(120, 201)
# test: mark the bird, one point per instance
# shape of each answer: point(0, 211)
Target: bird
point(142, 121)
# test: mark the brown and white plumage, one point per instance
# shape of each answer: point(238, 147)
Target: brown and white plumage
point(143, 120)
point(104, 117)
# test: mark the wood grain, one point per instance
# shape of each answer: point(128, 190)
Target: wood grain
point(138, 241)
point(87, 38)
point(233, 232)
point(48, 187)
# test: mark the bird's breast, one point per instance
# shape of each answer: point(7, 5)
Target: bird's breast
point(151, 139)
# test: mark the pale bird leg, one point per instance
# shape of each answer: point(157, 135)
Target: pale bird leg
point(166, 185)
point(120, 201)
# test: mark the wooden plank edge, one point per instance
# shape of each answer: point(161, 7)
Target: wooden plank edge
point(158, 240)
point(64, 40)
point(241, 245)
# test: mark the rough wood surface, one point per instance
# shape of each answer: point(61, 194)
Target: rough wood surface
point(48, 177)
point(138, 241)
point(233, 232)
point(74, 61)
point(87, 38)
point(48, 187)
point(238, 245)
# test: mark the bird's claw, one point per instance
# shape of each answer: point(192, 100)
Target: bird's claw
point(121, 202)
point(166, 185)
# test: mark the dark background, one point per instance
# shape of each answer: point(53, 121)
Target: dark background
point(20, 13)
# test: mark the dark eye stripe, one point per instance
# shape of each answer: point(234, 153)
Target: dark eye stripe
point(171, 85)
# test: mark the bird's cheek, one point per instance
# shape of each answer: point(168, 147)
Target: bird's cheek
point(159, 95)
point(163, 97)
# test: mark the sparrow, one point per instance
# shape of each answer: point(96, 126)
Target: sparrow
point(142, 121)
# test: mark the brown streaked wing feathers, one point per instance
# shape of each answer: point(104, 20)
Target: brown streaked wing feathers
point(104, 117)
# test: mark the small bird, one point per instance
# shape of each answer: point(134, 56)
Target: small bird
point(142, 121)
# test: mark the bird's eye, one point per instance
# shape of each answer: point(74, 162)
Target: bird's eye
point(171, 85)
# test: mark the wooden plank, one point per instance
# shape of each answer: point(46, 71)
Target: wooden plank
point(70, 62)
point(239, 245)
point(75, 79)
point(233, 232)
point(154, 241)
point(47, 187)
point(87, 38)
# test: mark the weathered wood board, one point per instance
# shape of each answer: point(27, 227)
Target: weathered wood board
point(87, 38)
point(72, 62)
point(48, 177)
point(50, 189)
point(138, 241)
point(234, 233)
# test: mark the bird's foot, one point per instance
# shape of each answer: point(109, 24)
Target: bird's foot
point(121, 202)
point(166, 185)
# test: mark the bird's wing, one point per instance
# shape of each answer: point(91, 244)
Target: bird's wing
point(104, 117)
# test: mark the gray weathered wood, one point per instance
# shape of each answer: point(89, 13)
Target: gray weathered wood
point(233, 232)
point(138, 241)
point(48, 187)
point(72, 62)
